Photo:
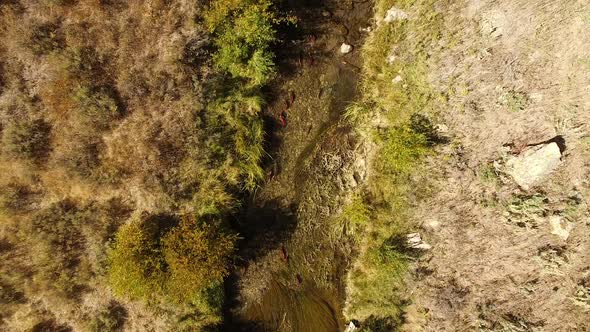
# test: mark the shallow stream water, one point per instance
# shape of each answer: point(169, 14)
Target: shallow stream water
point(311, 66)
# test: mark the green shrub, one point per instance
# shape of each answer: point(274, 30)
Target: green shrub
point(110, 319)
point(17, 197)
point(97, 108)
point(238, 115)
point(156, 260)
point(421, 124)
point(47, 38)
point(59, 254)
point(68, 243)
point(81, 155)
point(243, 46)
point(197, 254)
point(137, 265)
point(245, 32)
point(28, 139)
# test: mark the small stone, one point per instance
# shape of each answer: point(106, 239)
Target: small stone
point(534, 165)
point(395, 14)
point(326, 13)
point(431, 225)
point(442, 128)
point(414, 240)
point(350, 327)
point(397, 79)
point(560, 227)
point(391, 59)
point(345, 48)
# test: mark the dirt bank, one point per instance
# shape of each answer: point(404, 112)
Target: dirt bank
point(515, 74)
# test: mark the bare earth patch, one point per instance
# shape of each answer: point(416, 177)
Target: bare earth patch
point(504, 258)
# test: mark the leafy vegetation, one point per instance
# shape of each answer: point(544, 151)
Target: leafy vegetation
point(157, 258)
point(27, 139)
point(376, 281)
point(126, 145)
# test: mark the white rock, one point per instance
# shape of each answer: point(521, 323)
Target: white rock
point(560, 227)
point(431, 225)
point(442, 128)
point(395, 14)
point(350, 327)
point(534, 165)
point(397, 79)
point(414, 240)
point(391, 59)
point(345, 48)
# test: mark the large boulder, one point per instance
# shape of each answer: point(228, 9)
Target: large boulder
point(534, 165)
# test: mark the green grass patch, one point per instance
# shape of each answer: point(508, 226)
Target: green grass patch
point(515, 101)
point(489, 174)
point(526, 210)
point(399, 94)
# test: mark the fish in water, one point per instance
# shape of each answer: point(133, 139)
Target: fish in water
point(284, 254)
point(283, 119)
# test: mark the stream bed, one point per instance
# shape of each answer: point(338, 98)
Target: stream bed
point(290, 275)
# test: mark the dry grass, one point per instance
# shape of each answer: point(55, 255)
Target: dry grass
point(108, 107)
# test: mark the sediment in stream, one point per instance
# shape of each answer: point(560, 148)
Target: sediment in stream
point(291, 268)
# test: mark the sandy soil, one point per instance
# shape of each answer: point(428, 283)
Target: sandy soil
point(516, 73)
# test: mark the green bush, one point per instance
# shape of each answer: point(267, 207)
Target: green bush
point(238, 116)
point(82, 154)
point(59, 254)
point(155, 260)
point(421, 124)
point(137, 265)
point(68, 243)
point(28, 139)
point(17, 197)
point(197, 254)
point(245, 32)
point(46, 38)
point(97, 108)
point(110, 319)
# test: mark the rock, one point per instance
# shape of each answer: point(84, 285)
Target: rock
point(431, 225)
point(391, 59)
point(560, 227)
point(395, 14)
point(442, 128)
point(345, 48)
point(397, 79)
point(414, 240)
point(326, 13)
point(534, 165)
point(350, 327)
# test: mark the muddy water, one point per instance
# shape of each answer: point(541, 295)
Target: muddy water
point(306, 309)
point(285, 252)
